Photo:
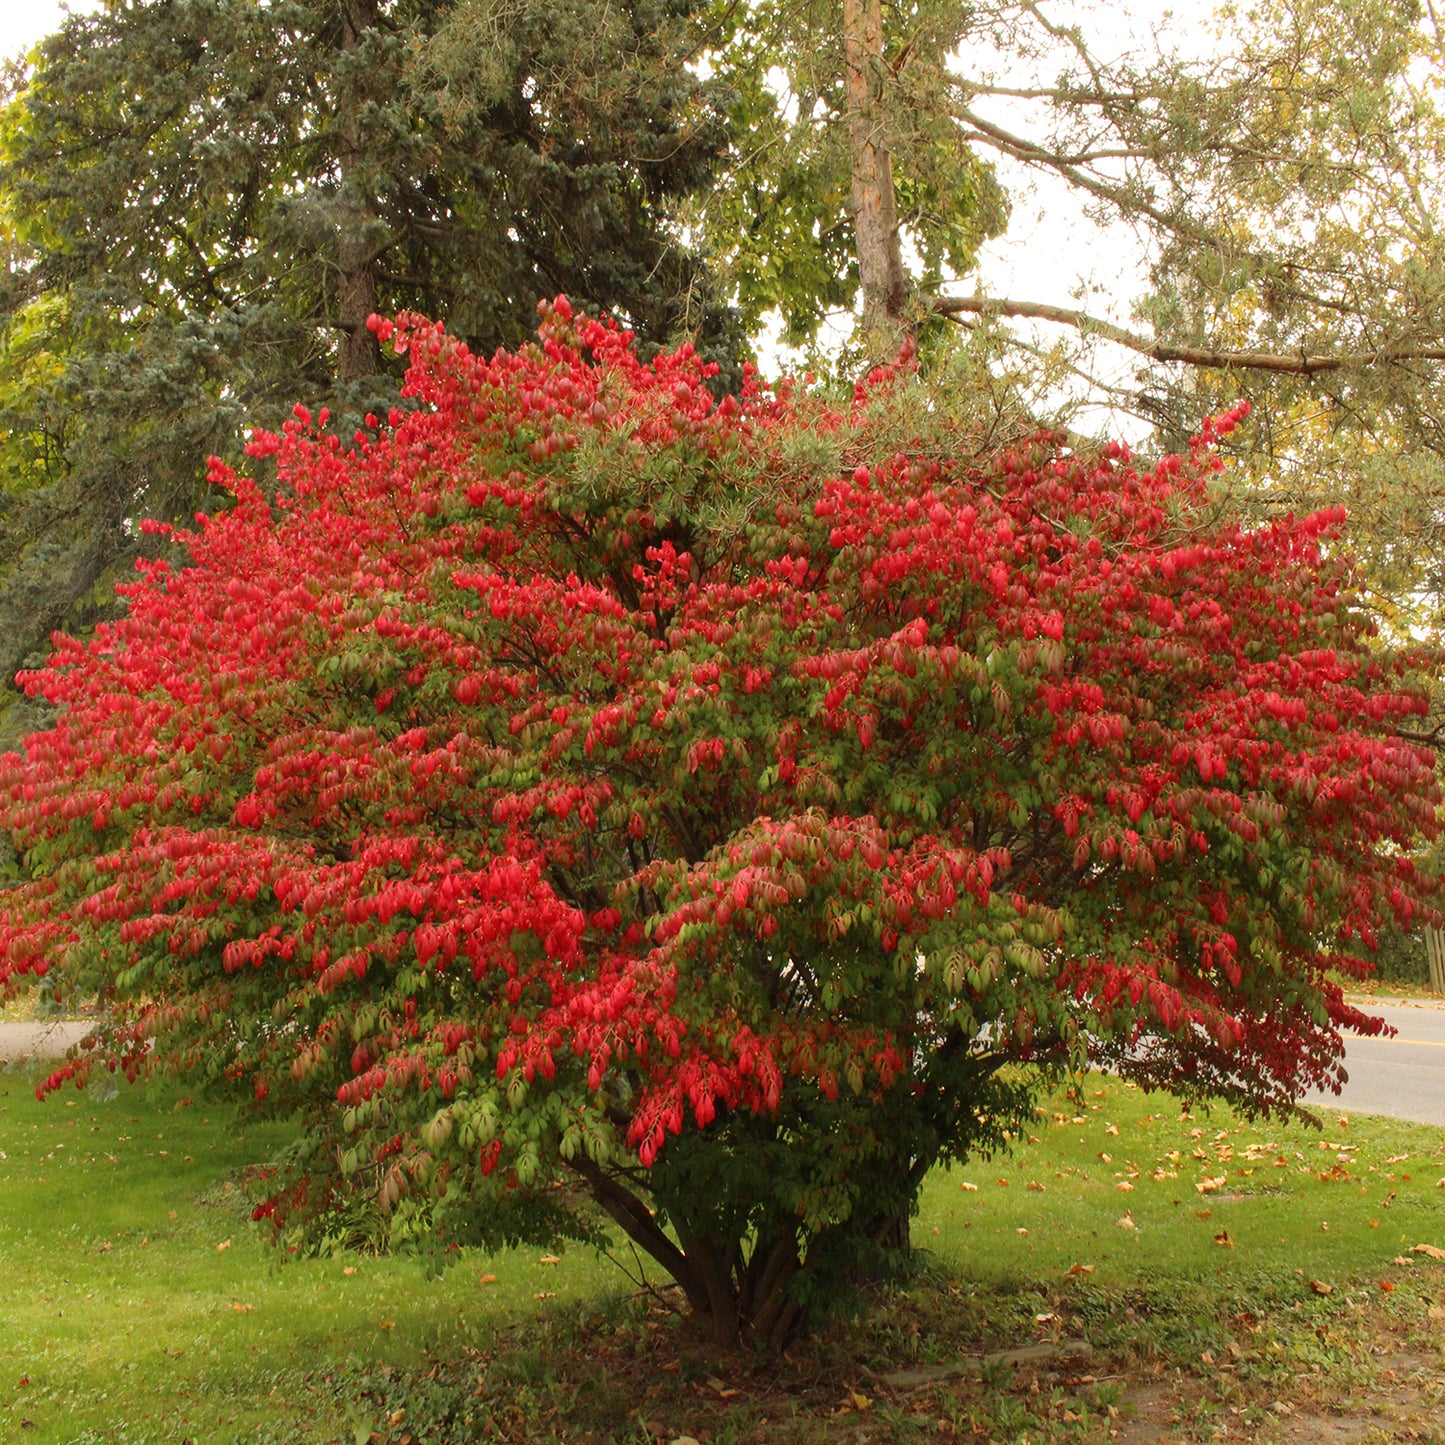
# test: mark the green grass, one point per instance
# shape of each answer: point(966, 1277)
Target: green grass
point(143, 1305)
point(1125, 1183)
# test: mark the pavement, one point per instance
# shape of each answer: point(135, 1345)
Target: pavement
point(40, 1040)
point(1402, 1076)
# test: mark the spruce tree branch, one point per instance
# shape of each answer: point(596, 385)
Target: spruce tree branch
point(1302, 363)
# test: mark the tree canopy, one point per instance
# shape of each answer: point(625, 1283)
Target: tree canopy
point(580, 794)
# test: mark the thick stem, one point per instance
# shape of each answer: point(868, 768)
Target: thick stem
point(875, 205)
point(356, 288)
point(636, 1221)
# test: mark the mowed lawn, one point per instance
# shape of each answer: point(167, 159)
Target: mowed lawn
point(141, 1303)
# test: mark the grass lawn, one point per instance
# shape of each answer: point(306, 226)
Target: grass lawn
point(1233, 1282)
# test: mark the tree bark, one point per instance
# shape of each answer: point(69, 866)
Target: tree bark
point(875, 207)
point(1301, 363)
point(356, 290)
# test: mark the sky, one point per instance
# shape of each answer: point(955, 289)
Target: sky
point(23, 22)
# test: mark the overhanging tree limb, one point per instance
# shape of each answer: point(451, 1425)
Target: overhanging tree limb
point(1301, 364)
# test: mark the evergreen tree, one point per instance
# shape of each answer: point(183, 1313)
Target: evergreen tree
point(205, 199)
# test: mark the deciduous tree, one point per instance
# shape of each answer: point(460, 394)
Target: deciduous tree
point(582, 794)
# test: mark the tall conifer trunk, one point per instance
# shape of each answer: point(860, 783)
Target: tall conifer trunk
point(356, 288)
point(875, 209)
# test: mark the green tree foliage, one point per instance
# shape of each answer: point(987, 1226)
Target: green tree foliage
point(203, 201)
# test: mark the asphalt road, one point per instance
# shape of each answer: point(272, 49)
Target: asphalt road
point(1402, 1076)
point(39, 1041)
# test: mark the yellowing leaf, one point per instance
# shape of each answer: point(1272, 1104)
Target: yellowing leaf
point(1430, 1251)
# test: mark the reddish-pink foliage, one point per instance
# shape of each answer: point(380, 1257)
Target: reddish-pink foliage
point(575, 759)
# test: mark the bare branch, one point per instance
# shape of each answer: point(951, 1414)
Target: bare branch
point(1300, 364)
point(1032, 154)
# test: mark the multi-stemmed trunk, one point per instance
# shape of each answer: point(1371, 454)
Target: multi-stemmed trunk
point(741, 1288)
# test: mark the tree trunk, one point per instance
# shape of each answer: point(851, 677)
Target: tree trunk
point(356, 291)
point(875, 208)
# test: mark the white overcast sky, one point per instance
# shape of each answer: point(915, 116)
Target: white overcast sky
point(23, 22)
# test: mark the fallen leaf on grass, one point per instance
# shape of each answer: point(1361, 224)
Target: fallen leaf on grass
point(550, 1259)
point(973, 1188)
point(348, 1269)
point(546, 1294)
point(1036, 1186)
point(1324, 1226)
point(1386, 1285)
point(388, 1324)
point(1207, 1185)
point(1222, 1239)
point(1320, 1287)
point(242, 1309)
point(1124, 1185)
point(860, 1402)
point(1429, 1250)
point(1022, 1230)
point(719, 1388)
point(224, 1244)
point(486, 1279)
point(1126, 1221)
point(1080, 1269)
